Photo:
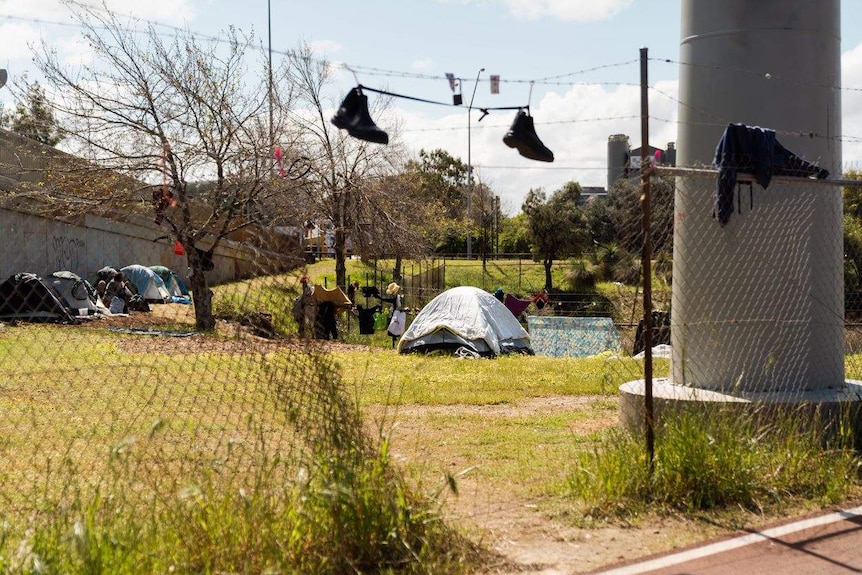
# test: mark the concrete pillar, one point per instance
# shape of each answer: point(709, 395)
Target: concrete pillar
point(758, 303)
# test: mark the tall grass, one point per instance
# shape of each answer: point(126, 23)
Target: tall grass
point(251, 461)
point(332, 518)
point(718, 461)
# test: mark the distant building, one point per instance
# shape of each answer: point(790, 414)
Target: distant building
point(624, 162)
point(590, 192)
point(319, 241)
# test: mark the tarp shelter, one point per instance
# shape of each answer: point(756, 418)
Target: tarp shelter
point(175, 286)
point(465, 317)
point(557, 336)
point(335, 295)
point(106, 274)
point(77, 294)
point(147, 283)
point(27, 297)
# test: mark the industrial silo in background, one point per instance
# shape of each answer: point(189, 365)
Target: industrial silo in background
point(618, 157)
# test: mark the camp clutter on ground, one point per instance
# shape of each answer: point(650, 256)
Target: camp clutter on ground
point(66, 297)
point(466, 321)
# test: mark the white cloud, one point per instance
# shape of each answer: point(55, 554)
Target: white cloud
point(422, 65)
point(175, 12)
point(325, 47)
point(33, 9)
point(17, 38)
point(75, 51)
point(166, 11)
point(851, 108)
point(568, 10)
point(574, 125)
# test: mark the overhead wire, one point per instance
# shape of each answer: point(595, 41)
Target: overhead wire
point(366, 70)
point(374, 71)
point(493, 126)
point(553, 80)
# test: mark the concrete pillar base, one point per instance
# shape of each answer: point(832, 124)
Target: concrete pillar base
point(829, 405)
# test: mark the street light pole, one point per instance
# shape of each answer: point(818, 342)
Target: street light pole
point(470, 170)
point(269, 66)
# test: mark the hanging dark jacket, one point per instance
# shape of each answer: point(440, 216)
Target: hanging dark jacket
point(755, 151)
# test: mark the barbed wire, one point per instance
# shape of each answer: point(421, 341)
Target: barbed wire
point(755, 74)
point(547, 81)
point(720, 121)
point(371, 71)
point(366, 70)
point(543, 167)
point(697, 169)
point(376, 71)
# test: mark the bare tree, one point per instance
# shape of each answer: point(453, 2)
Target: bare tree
point(353, 188)
point(172, 113)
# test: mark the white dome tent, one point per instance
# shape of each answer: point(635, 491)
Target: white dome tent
point(465, 318)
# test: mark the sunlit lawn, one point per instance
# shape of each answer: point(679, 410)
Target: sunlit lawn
point(67, 387)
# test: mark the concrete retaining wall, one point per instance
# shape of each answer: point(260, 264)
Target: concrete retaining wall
point(42, 245)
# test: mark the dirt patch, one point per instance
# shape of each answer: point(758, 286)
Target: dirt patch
point(166, 328)
point(521, 529)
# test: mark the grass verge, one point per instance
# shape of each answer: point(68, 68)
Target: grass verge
point(717, 461)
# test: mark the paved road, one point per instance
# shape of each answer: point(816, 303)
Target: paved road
point(823, 545)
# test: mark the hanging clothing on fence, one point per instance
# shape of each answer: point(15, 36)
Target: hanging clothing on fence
point(397, 316)
point(755, 151)
point(326, 325)
point(366, 318)
point(516, 305)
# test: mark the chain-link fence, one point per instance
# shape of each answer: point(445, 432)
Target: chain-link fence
point(759, 314)
point(131, 443)
point(131, 437)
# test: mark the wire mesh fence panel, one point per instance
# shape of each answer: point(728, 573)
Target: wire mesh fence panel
point(129, 434)
point(132, 441)
point(758, 300)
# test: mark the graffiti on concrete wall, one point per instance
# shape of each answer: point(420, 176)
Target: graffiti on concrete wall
point(67, 252)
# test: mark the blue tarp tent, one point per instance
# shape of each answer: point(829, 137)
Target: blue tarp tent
point(147, 283)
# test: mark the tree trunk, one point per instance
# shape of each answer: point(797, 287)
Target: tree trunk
point(484, 248)
point(202, 295)
point(396, 271)
point(340, 258)
point(548, 281)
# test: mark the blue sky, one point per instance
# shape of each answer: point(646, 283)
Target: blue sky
point(581, 55)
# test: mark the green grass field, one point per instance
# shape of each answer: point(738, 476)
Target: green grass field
point(227, 452)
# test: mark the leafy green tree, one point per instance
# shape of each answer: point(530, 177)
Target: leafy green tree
point(515, 235)
point(625, 213)
point(556, 224)
point(599, 222)
point(443, 178)
point(485, 216)
point(34, 117)
point(853, 196)
point(852, 254)
point(441, 181)
point(852, 234)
